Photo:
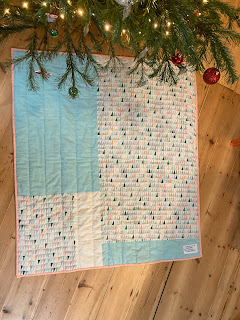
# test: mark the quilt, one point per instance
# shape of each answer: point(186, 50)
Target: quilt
point(107, 179)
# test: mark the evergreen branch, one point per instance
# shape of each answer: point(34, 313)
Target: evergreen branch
point(197, 37)
point(223, 58)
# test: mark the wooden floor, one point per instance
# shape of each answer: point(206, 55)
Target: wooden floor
point(206, 288)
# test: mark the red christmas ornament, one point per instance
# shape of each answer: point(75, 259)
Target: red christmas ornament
point(177, 59)
point(211, 75)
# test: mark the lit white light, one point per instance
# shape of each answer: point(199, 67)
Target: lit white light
point(205, 1)
point(62, 16)
point(7, 11)
point(199, 13)
point(167, 33)
point(80, 12)
point(69, 2)
point(168, 23)
point(155, 25)
point(123, 31)
point(44, 4)
point(107, 27)
point(25, 5)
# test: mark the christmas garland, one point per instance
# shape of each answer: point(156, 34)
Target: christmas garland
point(164, 36)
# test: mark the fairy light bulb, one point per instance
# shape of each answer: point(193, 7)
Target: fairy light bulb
point(44, 4)
point(168, 23)
point(62, 16)
point(7, 11)
point(107, 27)
point(80, 12)
point(155, 25)
point(205, 1)
point(167, 33)
point(199, 13)
point(123, 31)
point(69, 2)
point(25, 5)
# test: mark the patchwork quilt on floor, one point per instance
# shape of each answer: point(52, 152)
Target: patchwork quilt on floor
point(107, 179)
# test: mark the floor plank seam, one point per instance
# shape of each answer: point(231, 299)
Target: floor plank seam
point(230, 174)
point(160, 299)
point(96, 318)
point(80, 276)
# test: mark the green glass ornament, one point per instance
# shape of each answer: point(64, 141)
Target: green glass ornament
point(73, 91)
point(54, 33)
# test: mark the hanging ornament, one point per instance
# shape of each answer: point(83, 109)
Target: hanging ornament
point(54, 33)
point(128, 7)
point(40, 72)
point(86, 30)
point(73, 92)
point(127, 11)
point(143, 53)
point(124, 3)
point(182, 69)
point(211, 76)
point(51, 17)
point(177, 59)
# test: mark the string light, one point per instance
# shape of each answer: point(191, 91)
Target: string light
point(44, 4)
point(123, 31)
point(149, 20)
point(167, 33)
point(168, 23)
point(205, 1)
point(107, 27)
point(199, 13)
point(62, 16)
point(7, 11)
point(25, 5)
point(69, 2)
point(155, 25)
point(80, 12)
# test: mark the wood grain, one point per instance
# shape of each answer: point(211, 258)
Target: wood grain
point(206, 288)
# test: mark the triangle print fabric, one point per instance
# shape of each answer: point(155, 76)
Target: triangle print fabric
point(110, 178)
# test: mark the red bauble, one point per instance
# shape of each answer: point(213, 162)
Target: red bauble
point(177, 59)
point(211, 75)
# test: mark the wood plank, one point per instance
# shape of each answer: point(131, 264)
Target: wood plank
point(89, 294)
point(6, 171)
point(237, 317)
point(7, 231)
point(224, 305)
point(5, 102)
point(57, 296)
point(23, 298)
point(7, 273)
point(150, 293)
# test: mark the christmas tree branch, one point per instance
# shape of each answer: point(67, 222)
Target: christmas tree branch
point(153, 31)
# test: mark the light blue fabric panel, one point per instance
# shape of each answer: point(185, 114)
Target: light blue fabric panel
point(146, 251)
point(56, 137)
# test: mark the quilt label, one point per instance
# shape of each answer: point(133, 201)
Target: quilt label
point(191, 248)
